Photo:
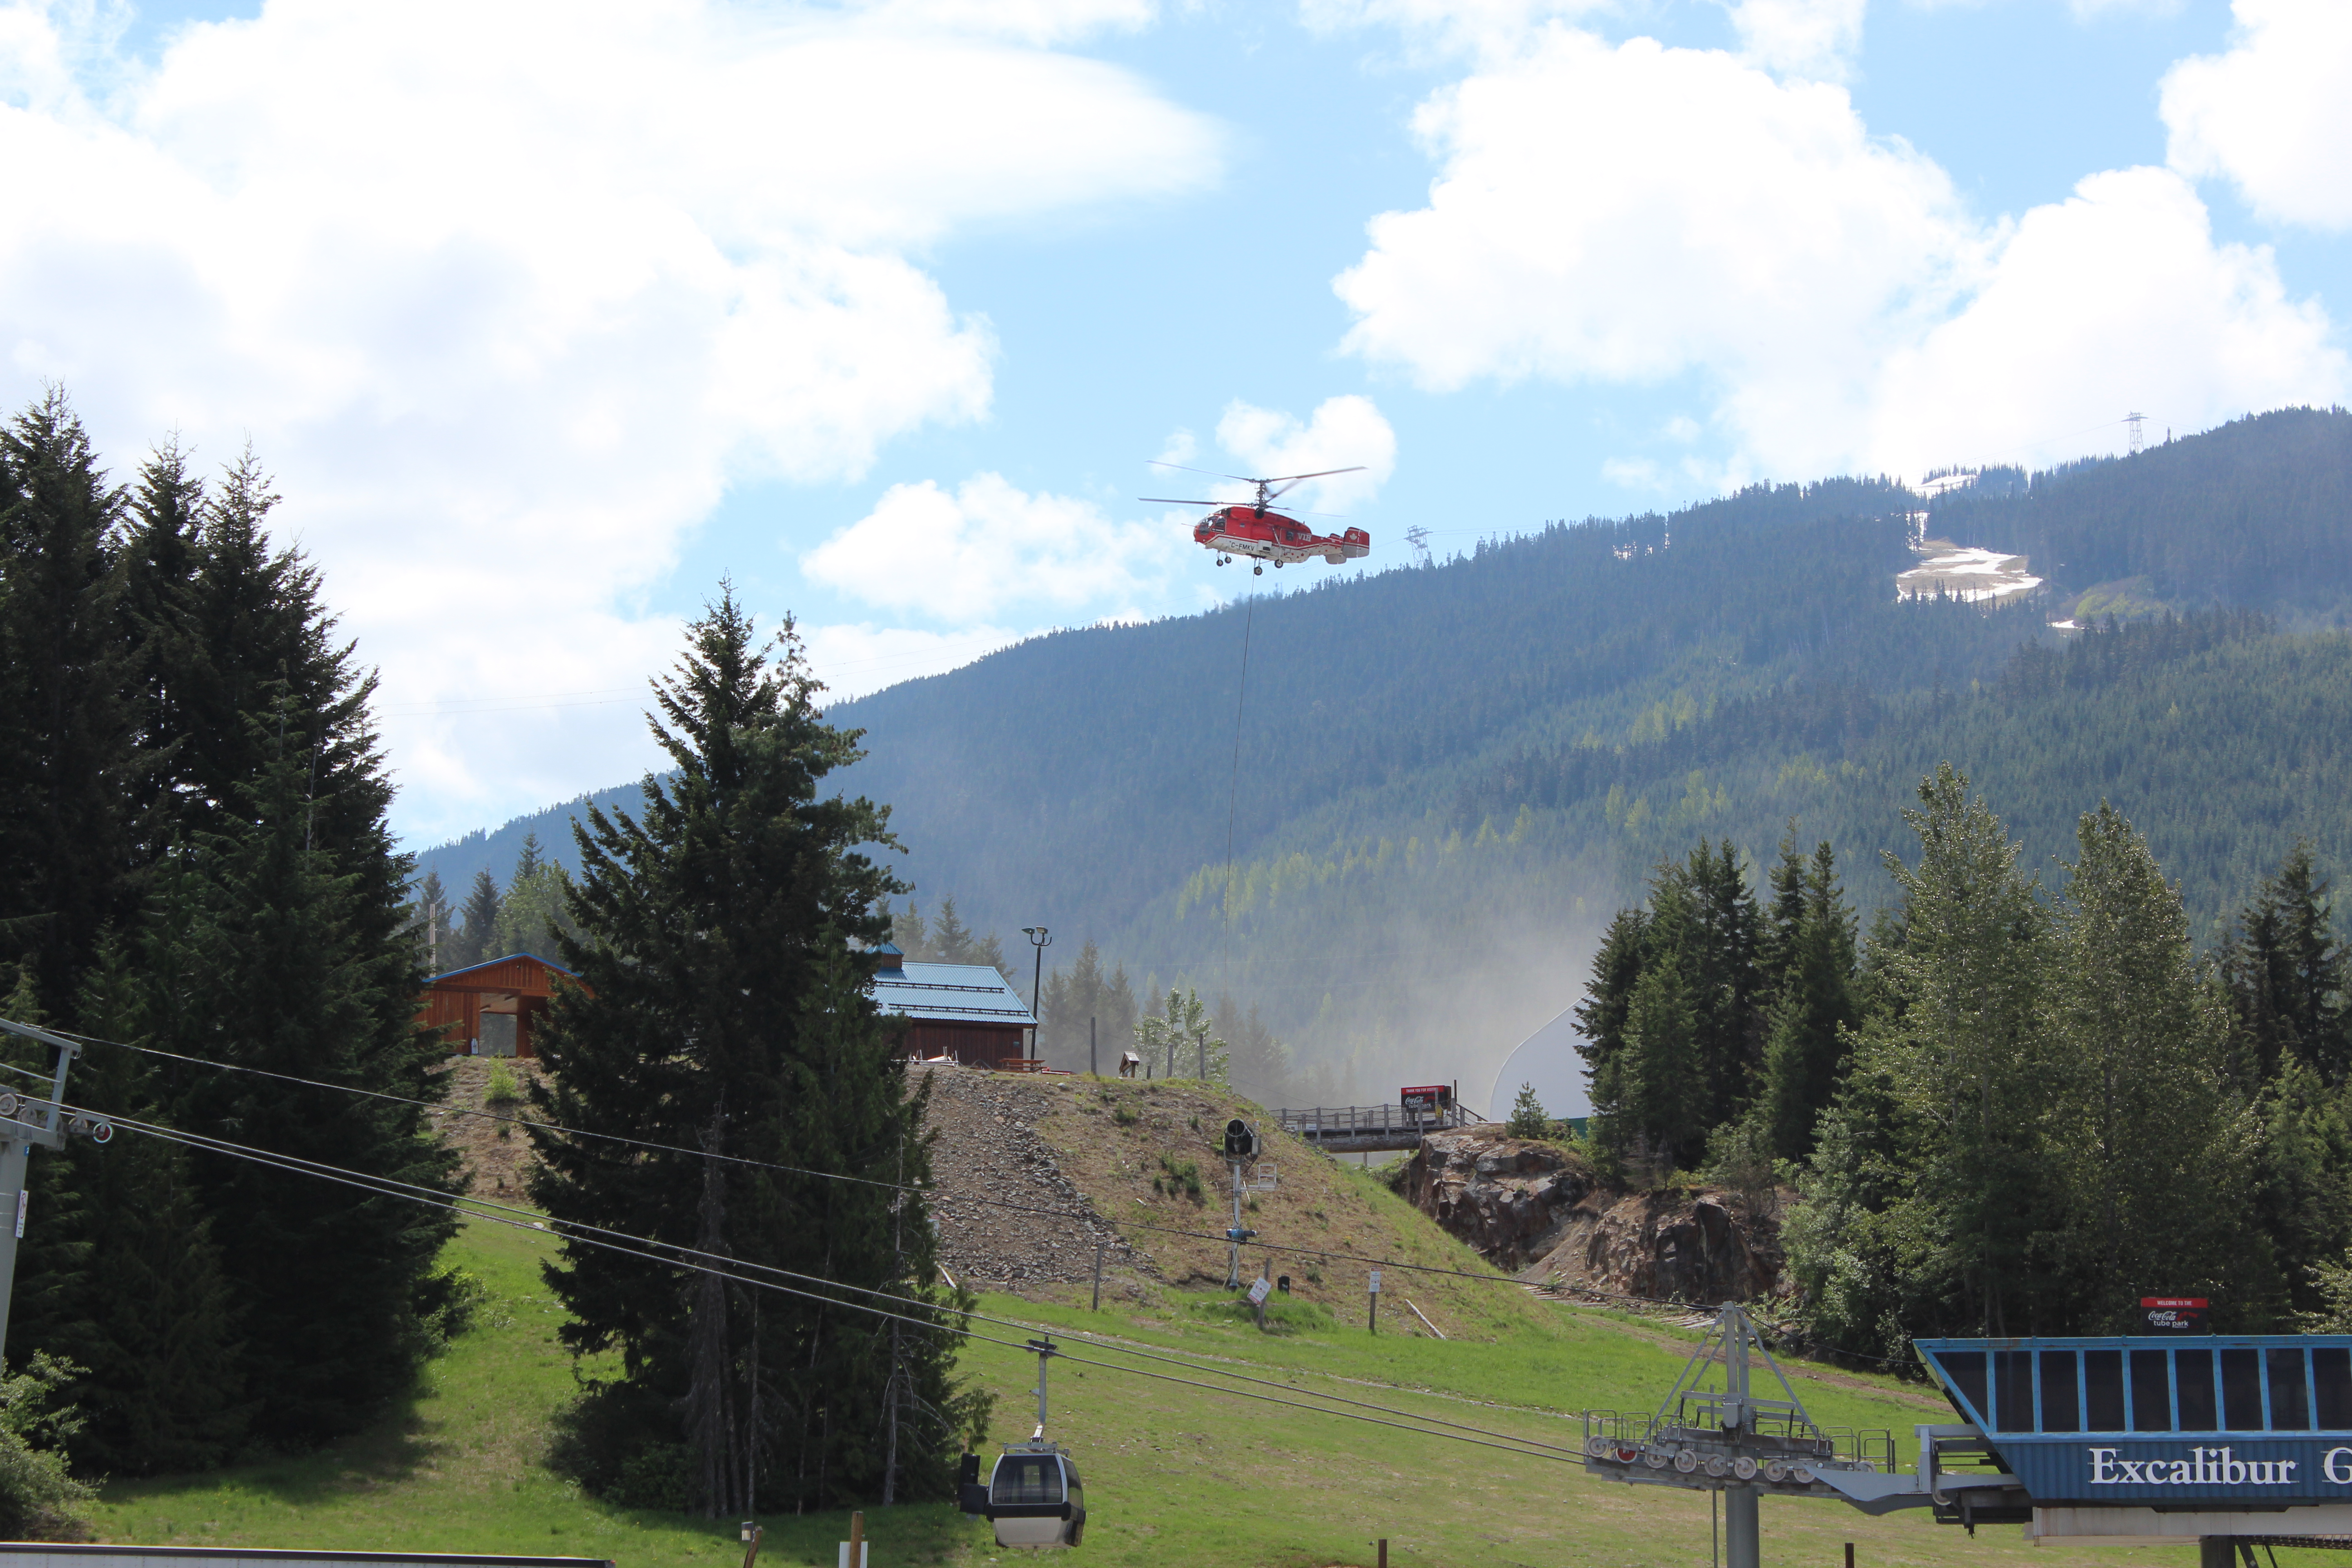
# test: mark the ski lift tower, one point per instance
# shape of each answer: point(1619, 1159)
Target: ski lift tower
point(1715, 1432)
point(2170, 1435)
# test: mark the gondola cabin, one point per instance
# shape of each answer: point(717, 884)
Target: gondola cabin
point(1031, 1496)
point(2163, 1436)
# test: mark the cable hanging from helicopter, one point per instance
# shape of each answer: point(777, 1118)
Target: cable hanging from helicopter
point(1254, 529)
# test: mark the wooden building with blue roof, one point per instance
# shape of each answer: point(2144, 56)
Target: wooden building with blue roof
point(964, 1012)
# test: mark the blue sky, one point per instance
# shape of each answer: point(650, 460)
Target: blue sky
point(548, 318)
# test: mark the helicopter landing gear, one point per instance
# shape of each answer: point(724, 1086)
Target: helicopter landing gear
point(1257, 571)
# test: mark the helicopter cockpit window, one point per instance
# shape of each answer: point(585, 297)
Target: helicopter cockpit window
point(1025, 1478)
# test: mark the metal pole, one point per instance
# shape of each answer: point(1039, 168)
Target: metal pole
point(1741, 1543)
point(1094, 1063)
point(36, 1123)
point(2216, 1552)
point(1234, 1247)
point(14, 1155)
point(1100, 1247)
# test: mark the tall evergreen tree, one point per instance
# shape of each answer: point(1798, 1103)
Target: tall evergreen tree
point(294, 965)
point(2289, 978)
point(162, 557)
point(1937, 1199)
point(724, 955)
point(67, 753)
point(2138, 1085)
point(476, 938)
point(129, 1287)
point(527, 864)
point(1805, 1052)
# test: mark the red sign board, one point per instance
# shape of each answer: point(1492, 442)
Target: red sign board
point(2173, 1314)
point(1428, 1097)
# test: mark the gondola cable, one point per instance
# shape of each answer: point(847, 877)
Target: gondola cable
point(389, 1187)
point(1303, 1251)
point(394, 1187)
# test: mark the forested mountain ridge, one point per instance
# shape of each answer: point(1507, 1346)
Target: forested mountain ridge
point(1441, 779)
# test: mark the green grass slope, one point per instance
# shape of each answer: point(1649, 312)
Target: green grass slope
point(1174, 1473)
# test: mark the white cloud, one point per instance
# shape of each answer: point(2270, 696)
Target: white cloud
point(1488, 27)
point(2115, 299)
point(508, 295)
point(1813, 39)
point(1632, 213)
point(1344, 432)
point(854, 658)
point(2273, 114)
point(988, 550)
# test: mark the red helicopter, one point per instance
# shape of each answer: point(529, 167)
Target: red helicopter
point(1251, 529)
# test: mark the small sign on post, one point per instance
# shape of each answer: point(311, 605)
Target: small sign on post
point(1372, 1295)
point(1260, 1289)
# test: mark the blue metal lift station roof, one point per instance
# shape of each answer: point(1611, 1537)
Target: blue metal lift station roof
point(2221, 1420)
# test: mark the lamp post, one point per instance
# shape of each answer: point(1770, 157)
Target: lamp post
point(1040, 939)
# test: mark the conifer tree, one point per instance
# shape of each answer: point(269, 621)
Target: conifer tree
point(527, 864)
point(1528, 1117)
point(951, 940)
point(2135, 1078)
point(134, 1294)
point(2289, 978)
point(1814, 1004)
point(725, 955)
point(160, 559)
point(67, 759)
point(291, 964)
point(478, 937)
point(911, 933)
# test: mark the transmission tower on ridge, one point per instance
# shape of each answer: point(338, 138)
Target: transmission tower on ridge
point(2133, 420)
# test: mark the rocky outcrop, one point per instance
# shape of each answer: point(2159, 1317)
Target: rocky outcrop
point(1671, 1246)
point(1538, 1209)
point(1511, 1198)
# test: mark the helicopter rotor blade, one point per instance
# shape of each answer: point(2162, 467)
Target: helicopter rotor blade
point(1171, 500)
point(1292, 481)
point(1318, 474)
point(1238, 479)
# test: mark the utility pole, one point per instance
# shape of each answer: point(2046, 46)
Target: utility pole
point(1093, 1065)
point(23, 1123)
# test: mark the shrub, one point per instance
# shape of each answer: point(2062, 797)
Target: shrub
point(1528, 1118)
point(1184, 1176)
point(503, 1087)
point(37, 1494)
point(449, 1302)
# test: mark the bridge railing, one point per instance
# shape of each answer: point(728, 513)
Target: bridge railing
point(1318, 1123)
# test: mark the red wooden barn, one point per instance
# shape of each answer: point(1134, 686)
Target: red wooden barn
point(964, 1012)
point(491, 1009)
